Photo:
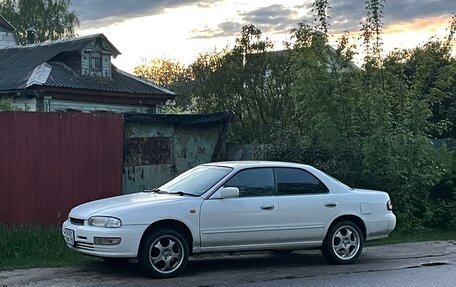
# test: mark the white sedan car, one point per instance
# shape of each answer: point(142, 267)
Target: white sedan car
point(232, 206)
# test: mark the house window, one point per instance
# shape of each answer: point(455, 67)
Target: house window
point(95, 62)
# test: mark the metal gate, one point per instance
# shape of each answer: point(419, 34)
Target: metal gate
point(50, 162)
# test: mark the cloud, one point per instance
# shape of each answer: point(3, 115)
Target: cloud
point(207, 3)
point(225, 29)
point(347, 14)
point(272, 19)
point(411, 9)
point(97, 13)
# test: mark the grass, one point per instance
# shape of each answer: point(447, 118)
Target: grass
point(31, 247)
point(28, 247)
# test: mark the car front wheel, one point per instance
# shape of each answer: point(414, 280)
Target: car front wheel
point(164, 254)
point(343, 243)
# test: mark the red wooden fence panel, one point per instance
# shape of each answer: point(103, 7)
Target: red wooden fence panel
point(50, 162)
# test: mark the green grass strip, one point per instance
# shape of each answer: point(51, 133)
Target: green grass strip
point(28, 247)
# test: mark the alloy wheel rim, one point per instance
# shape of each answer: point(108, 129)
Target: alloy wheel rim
point(346, 242)
point(166, 254)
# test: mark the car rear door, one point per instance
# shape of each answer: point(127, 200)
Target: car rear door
point(250, 219)
point(306, 206)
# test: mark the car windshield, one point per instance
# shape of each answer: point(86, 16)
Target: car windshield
point(196, 181)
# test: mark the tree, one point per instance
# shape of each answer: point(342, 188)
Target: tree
point(429, 70)
point(250, 80)
point(321, 8)
point(6, 105)
point(170, 74)
point(163, 72)
point(52, 19)
point(373, 26)
point(368, 127)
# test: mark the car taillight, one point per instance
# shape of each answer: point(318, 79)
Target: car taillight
point(389, 205)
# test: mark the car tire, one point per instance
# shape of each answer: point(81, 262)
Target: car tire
point(343, 243)
point(163, 254)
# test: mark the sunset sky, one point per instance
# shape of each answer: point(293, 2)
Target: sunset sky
point(181, 29)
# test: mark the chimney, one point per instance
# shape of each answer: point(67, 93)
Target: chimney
point(31, 35)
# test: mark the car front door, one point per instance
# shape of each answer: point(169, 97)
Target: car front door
point(250, 219)
point(306, 206)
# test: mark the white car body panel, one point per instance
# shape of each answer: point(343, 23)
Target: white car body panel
point(233, 224)
point(306, 216)
point(239, 221)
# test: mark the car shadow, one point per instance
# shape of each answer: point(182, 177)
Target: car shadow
point(214, 263)
point(252, 261)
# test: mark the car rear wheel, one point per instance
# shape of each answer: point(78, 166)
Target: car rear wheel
point(164, 254)
point(343, 243)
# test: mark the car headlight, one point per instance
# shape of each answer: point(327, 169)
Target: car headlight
point(103, 221)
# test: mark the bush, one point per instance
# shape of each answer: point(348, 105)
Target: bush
point(445, 189)
point(443, 204)
point(443, 215)
point(7, 105)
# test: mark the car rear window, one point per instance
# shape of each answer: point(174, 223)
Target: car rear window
point(293, 181)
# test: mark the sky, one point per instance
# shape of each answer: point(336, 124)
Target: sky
point(182, 29)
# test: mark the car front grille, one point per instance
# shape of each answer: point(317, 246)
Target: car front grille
point(76, 221)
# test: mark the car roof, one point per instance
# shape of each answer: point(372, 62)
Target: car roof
point(250, 164)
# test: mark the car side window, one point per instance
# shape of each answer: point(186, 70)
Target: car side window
point(294, 181)
point(253, 182)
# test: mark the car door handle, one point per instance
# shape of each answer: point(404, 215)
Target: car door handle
point(331, 204)
point(267, 207)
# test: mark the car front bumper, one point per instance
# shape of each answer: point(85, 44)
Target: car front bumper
point(130, 237)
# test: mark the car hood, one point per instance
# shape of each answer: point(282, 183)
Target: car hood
point(115, 205)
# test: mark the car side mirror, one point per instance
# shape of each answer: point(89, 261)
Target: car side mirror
point(229, 192)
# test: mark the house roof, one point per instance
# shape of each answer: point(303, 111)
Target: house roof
point(8, 25)
point(61, 76)
point(32, 65)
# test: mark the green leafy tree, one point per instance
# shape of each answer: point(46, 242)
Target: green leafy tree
point(368, 127)
point(250, 80)
point(6, 105)
point(170, 74)
point(429, 70)
point(321, 8)
point(163, 72)
point(52, 19)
